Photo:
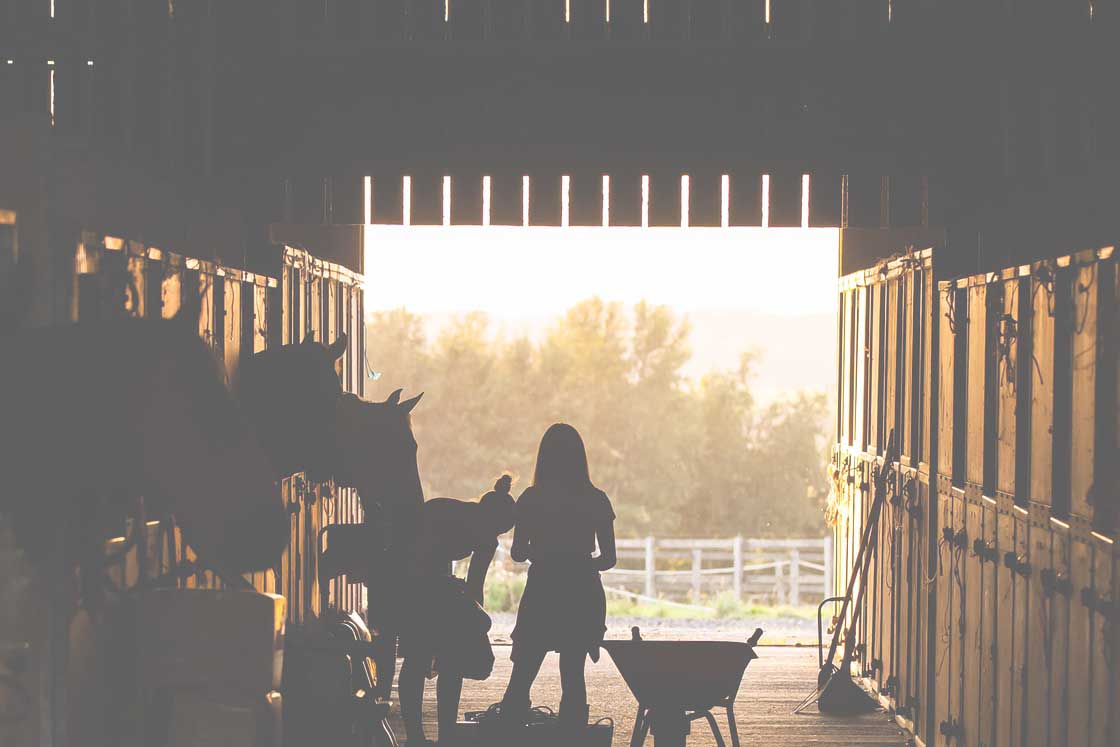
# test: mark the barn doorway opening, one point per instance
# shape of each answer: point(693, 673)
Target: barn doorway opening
point(701, 385)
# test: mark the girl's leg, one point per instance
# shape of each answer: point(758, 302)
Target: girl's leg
point(410, 687)
point(573, 699)
point(449, 687)
point(385, 657)
point(525, 670)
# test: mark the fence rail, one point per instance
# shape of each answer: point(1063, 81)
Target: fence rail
point(786, 571)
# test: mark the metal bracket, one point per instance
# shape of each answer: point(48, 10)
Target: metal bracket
point(986, 551)
point(1053, 581)
point(1017, 563)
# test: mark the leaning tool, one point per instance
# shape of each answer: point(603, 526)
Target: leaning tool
point(836, 693)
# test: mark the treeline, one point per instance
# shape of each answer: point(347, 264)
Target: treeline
point(678, 457)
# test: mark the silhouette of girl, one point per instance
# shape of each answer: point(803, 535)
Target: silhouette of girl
point(559, 519)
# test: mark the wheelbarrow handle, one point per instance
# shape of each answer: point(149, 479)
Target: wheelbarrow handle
point(820, 628)
point(755, 637)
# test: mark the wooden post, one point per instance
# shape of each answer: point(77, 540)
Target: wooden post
point(779, 585)
point(737, 562)
point(829, 566)
point(651, 568)
point(697, 561)
point(795, 577)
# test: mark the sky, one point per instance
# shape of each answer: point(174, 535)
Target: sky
point(511, 271)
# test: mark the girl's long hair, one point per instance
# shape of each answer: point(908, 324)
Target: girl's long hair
point(562, 459)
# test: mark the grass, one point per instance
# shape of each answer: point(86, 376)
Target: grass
point(723, 607)
point(503, 591)
point(503, 594)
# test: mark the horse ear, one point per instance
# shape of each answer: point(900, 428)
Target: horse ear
point(394, 398)
point(338, 347)
point(408, 405)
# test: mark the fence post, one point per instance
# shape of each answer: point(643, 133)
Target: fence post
point(779, 584)
point(651, 569)
point(696, 564)
point(795, 577)
point(737, 561)
point(829, 561)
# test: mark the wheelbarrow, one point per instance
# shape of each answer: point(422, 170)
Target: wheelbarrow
point(678, 682)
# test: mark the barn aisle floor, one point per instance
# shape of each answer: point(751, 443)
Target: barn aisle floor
point(772, 687)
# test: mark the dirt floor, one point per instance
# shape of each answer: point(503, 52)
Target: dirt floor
point(772, 687)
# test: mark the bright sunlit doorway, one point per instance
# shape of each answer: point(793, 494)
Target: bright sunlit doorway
point(697, 362)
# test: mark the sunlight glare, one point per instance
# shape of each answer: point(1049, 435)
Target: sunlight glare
point(804, 200)
point(486, 200)
point(765, 200)
point(447, 200)
point(565, 184)
point(367, 203)
point(645, 200)
point(684, 200)
point(684, 268)
point(606, 200)
point(525, 200)
point(725, 201)
point(406, 200)
point(51, 63)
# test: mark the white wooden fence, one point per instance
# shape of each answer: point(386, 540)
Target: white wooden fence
point(785, 571)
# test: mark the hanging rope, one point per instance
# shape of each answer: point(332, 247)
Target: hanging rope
point(1044, 274)
point(1008, 332)
point(951, 307)
point(1083, 293)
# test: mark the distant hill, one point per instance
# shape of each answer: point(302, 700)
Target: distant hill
point(797, 352)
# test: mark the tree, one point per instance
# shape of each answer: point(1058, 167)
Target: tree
point(676, 456)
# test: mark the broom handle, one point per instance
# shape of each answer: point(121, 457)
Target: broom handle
point(863, 557)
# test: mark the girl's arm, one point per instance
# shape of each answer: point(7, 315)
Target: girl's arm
point(519, 551)
point(476, 572)
point(604, 535)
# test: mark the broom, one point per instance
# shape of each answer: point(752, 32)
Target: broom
point(836, 692)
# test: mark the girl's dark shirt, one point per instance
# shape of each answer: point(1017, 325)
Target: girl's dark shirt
point(561, 520)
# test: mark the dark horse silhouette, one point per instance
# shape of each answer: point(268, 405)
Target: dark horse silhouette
point(99, 413)
point(376, 454)
point(289, 393)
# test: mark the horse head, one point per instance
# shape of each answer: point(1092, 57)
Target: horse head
point(204, 460)
point(149, 415)
point(377, 455)
point(289, 395)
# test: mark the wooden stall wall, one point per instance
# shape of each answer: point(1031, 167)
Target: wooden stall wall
point(239, 313)
point(991, 610)
point(886, 342)
point(320, 300)
point(118, 277)
point(1029, 544)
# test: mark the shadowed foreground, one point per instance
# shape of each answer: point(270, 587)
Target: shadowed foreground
point(774, 684)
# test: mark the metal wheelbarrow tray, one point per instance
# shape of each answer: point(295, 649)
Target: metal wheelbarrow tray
point(677, 682)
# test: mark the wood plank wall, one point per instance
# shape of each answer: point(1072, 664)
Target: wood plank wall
point(886, 333)
point(320, 300)
point(239, 313)
point(991, 615)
